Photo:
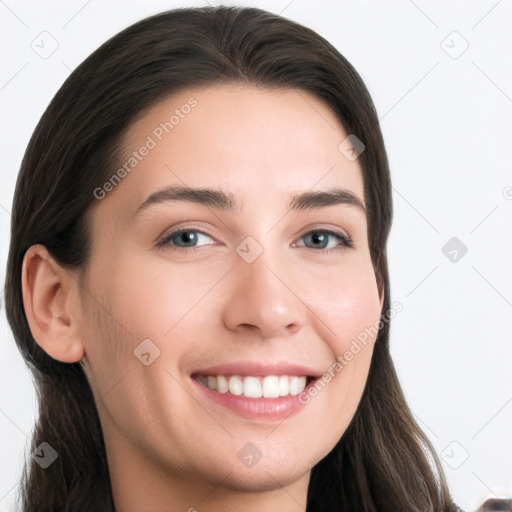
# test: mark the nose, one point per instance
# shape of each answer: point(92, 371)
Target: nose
point(264, 298)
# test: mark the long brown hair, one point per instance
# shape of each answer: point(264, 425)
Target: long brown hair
point(383, 462)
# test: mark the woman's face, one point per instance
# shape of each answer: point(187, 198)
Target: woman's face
point(254, 297)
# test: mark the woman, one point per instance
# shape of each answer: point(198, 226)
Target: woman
point(248, 368)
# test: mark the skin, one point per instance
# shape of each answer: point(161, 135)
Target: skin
point(170, 448)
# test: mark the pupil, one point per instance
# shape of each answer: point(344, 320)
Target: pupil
point(187, 237)
point(317, 238)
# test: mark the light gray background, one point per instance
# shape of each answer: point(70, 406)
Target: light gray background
point(446, 118)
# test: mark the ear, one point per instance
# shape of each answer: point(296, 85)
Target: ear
point(51, 302)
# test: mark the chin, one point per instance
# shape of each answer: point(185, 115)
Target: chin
point(264, 479)
point(269, 473)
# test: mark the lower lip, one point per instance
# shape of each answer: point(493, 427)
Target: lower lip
point(266, 409)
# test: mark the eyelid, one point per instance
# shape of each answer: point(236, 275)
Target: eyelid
point(329, 229)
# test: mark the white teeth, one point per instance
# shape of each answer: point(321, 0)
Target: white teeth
point(252, 387)
point(212, 382)
point(271, 386)
point(236, 386)
point(297, 384)
point(222, 384)
point(284, 386)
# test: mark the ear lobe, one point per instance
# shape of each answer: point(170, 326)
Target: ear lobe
point(50, 302)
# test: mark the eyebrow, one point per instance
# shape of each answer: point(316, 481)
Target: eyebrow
point(221, 200)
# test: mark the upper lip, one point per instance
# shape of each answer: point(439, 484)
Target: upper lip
point(258, 369)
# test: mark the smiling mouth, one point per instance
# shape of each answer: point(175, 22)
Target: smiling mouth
point(270, 386)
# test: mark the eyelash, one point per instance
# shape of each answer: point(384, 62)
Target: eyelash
point(346, 242)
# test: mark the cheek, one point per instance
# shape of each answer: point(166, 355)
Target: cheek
point(350, 308)
point(152, 298)
point(128, 317)
point(349, 303)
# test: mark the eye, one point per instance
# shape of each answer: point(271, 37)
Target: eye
point(326, 240)
point(188, 237)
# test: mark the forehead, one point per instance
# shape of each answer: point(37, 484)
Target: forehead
point(259, 144)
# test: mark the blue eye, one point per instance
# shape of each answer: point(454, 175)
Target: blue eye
point(322, 237)
point(186, 236)
point(319, 238)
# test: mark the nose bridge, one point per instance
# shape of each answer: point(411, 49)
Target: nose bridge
point(262, 295)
